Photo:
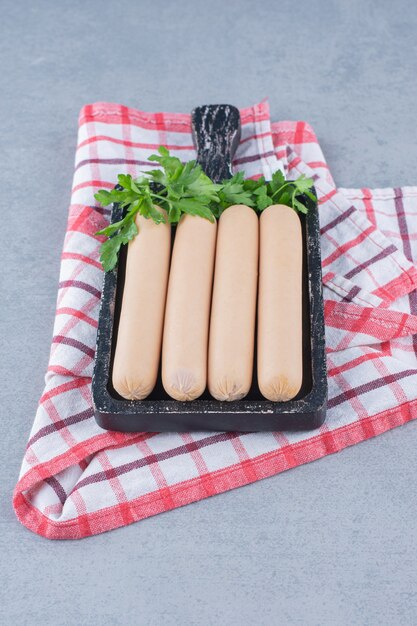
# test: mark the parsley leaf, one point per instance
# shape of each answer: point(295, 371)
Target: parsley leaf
point(288, 192)
point(262, 199)
point(278, 180)
point(233, 191)
point(109, 250)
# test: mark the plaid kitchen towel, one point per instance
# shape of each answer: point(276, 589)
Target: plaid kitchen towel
point(77, 479)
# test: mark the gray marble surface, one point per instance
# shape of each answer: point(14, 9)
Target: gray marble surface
point(330, 543)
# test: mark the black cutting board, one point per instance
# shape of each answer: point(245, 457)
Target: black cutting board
point(217, 133)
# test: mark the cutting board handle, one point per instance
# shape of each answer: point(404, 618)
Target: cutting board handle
point(216, 132)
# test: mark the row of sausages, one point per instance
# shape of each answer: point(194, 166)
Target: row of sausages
point(206, 325)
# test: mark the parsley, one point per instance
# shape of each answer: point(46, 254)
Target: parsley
point(233, 191)
point(259, 194)
point(184, 188)
point(281, 191)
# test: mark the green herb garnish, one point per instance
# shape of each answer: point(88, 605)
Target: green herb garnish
point(184, 188)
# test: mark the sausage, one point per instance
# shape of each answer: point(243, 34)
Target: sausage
point(139, 336)
point(279, 344)
point(233, 312)
point(184, 345)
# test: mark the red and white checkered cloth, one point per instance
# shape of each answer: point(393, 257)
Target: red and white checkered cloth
point(77, 479)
